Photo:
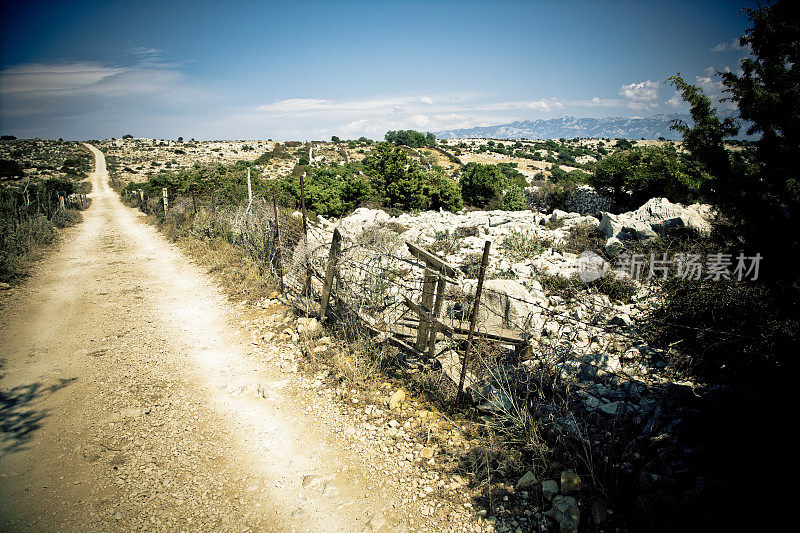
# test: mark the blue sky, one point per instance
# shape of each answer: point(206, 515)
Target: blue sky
point(309, 70)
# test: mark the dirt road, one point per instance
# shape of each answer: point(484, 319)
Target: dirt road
point(133, 399)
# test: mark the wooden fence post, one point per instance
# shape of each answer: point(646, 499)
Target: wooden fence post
point(333, 261)
point(165, 198)
point(249, 193)
point(307, 283)
point(472, 319)
point(303, 204)
point(437, 309)
point(278, 262)
point(428, 291)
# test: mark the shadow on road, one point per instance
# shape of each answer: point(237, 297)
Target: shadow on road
point(18, 419)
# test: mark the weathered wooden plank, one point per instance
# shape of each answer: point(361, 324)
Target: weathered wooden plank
point(507, 336)
point(472, 319)
point(425, 316)
point(437, 309)
point(428, 289)
point(436, 263)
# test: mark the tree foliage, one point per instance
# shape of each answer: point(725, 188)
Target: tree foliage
point(754, 189)
point(757, 190)
point(767, 93)
point(411, 138)
point(331, 190)
point(634, 176)
point(10, 169)
point(482, 185)
point(401, 183)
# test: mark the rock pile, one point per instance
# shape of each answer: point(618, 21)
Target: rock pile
point(587, 201)
point(653, 219)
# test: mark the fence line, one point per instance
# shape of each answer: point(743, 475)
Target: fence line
point(402, 294)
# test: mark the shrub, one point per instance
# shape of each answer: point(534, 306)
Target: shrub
point(520, 245)
point(514, 200)
point(411, 138)
point(631, 177)
point(330, 191)
point(401, 183)
point(10, 169)
point(444, 193)
point(582, 237)
point(725, 328)
point(482, 184)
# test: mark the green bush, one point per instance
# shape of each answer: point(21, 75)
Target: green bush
point(482, 184)
point(411, 138)
point(631, 177)
point(520, 246)
point(399, 182)
point(330, 191)
point(514, 200)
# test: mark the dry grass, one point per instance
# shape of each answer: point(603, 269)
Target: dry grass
point(582, 237)
point(232, 267)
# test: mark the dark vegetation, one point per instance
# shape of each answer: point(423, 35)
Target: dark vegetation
point(739, 337)
point(33, 179)
point(484, 185)
point(387, 177)
point(756, 192)
point(411, 138)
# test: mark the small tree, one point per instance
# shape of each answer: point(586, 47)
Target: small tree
point(634, 176)
point(481, 184)
point(514, 200)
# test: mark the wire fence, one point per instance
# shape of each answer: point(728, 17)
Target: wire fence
point(578, 370)
point(378, 278)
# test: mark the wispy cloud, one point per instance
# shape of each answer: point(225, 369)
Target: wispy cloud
point(55, 77)
point(145, 52)
point(300, 105)
point(713, 87)
point(89, 96)
point(643, 91)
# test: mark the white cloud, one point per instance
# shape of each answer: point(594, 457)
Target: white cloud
point(427, 100)
point(713, 88)
point(354, 127)
point(644, 91)
point(145, 52)
point(733, 44)
point(597, 102)
point(300, 105)
point(88, 96)
point(542, 104)
point(296, 104)
point(641, 96)
point(52, 77)
point(420, 121)
point(676, 101)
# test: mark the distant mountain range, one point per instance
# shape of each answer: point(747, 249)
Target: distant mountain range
point(651, 127)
